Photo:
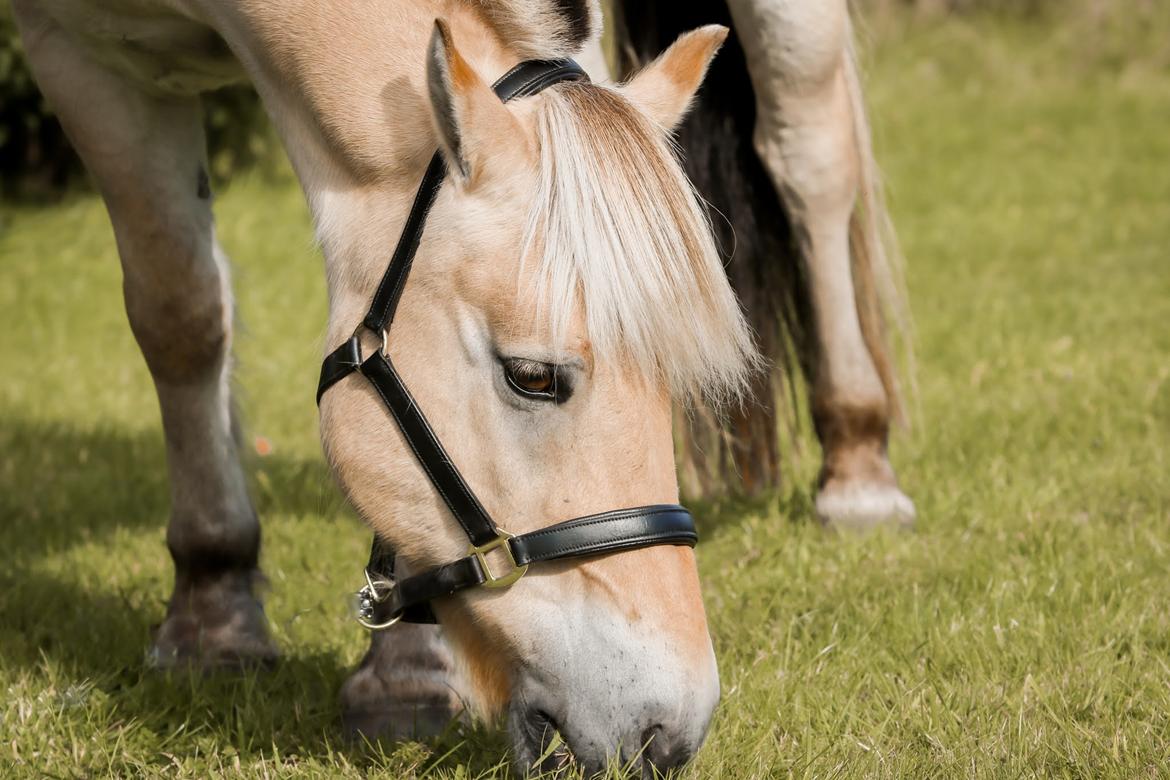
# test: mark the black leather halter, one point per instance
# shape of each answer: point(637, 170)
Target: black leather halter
point(386, 600)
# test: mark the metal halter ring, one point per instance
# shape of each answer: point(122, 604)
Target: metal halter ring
point(374, 592)
point(383, 338)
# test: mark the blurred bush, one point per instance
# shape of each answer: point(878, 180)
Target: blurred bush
point(936, 7)
point(1105, 36)
point(33, 153)
point(36, 161)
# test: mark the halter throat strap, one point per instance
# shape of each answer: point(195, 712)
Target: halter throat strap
point(495, 558)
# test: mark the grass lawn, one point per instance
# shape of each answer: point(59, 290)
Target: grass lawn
point(1022, 630)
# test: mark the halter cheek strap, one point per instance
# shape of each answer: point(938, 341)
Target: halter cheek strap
point(495, 558)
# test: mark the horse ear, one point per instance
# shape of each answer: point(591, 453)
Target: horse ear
point(471, 121)
point(664, 88)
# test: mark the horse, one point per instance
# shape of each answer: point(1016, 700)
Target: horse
point(568, 292)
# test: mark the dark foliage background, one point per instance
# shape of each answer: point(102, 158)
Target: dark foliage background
point(36, 161)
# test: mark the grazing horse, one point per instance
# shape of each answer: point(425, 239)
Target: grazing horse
point(567, 291)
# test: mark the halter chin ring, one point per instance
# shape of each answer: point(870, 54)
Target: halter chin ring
point(374, 592)
point(501, 542)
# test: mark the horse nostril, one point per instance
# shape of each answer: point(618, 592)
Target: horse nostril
point(539, 731)
point(661, 753)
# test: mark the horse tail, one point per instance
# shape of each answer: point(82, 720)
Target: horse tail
point(754, 234)
point(763, 263)
point(878, 263)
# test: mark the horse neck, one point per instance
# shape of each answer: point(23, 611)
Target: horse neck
point(345, 85)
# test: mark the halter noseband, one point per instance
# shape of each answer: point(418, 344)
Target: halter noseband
point(385, 600)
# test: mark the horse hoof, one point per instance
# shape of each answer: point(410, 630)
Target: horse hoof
point(398, 722)
point(212, 624)
point(405, 687)
point(197, 648)
point(861, 506)
point(397, 709)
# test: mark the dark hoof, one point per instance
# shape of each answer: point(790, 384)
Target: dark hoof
point(403, 689)
point(404, 706)
point(215, 649)
point(398, 722)
point(214, 623)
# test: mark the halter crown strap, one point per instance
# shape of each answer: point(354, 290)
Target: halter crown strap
point(496, 558)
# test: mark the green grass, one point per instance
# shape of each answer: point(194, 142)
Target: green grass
point(1022, 630)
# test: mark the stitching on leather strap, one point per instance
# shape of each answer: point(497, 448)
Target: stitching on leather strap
point(514, 70)
point(596, 521)
point(420, 208)
point(617, 544)
point(540, 79)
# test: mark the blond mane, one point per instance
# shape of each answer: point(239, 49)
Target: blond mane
point(619, 231)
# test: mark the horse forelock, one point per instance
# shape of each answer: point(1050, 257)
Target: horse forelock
point(620, 235)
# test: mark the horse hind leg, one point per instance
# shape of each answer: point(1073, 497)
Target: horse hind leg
point(146, 155)
point(807, 137)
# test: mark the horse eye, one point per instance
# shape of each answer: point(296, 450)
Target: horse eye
point(535, 380)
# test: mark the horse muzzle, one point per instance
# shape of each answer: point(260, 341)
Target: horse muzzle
point(635, 713)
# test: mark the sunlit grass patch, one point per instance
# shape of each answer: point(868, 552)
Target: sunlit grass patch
point(1022, 629)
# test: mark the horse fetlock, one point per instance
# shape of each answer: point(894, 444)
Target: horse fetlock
point(405, 687)
point(859, 490)
point(222, 541)
point(214, 619)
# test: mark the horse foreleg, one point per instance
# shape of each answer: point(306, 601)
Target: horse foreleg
point(146, 154)
point(807, 136)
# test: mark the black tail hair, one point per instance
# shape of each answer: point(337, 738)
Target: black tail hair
point(753, 232)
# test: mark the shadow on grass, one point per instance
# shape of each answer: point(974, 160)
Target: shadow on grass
point(715, 517)
point(86, 647)
point(60, 486)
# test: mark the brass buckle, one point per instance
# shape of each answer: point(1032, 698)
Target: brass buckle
point(372, 593)
point(481, 552)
